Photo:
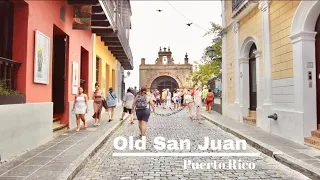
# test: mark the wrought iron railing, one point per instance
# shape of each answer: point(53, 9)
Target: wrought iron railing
point(113, 9)
point(236, 4)
point(8, 73)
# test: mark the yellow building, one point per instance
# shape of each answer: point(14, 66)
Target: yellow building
point(271, 60)
point(105, 66)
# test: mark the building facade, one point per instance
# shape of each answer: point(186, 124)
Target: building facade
point(165, 73)
point(47, 50)
point(270, 66)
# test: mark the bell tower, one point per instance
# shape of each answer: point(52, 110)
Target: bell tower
point(164, 56)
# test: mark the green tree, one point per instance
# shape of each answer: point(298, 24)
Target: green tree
point(209, 65)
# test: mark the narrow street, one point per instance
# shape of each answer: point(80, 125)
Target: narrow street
point(178, 126)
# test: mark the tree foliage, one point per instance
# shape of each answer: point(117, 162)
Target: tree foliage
point(209, 66)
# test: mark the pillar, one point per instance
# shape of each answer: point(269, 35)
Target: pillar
point(236, 65)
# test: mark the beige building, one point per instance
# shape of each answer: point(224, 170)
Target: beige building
point(271, 60)
point(165, 73)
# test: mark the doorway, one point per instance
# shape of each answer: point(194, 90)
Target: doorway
point(6, 28)
point(252, 78)
point(59, 70)
point(164, 82)
point(317, 50)
point(84, 70)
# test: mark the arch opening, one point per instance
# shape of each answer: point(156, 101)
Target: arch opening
point(252, 77)
point(164, 82)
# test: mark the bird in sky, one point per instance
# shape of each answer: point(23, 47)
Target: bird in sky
point(159, 10)
point(189, 24)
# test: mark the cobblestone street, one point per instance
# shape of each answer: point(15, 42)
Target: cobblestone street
point(105, 166)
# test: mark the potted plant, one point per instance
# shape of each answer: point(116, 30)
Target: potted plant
point(8, 96)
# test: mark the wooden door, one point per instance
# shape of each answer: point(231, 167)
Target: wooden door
point(59, 73)
point(252, 79)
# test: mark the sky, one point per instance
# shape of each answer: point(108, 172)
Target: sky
point(152, 29)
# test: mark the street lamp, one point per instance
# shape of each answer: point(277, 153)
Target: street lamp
point(128, 74)
point(210, 52)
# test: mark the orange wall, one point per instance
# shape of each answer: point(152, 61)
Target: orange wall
point(42, 16)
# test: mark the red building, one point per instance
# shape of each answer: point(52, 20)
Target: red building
point(45, 59)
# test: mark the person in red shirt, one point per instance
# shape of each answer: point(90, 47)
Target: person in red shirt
point(209, 100)
point(192, 92)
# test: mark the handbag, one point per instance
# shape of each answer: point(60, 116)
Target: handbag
point(104, 104)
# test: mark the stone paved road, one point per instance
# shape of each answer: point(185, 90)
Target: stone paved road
point(105, 166)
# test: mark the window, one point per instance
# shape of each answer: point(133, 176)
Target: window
point(97, 69)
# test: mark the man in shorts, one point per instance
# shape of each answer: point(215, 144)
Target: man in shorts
point(127, 104)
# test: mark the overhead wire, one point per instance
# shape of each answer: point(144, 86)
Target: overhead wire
point(186, 17)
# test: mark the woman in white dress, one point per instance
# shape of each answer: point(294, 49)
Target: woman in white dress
point(80, 107)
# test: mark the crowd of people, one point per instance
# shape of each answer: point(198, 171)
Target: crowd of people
point(140, 103)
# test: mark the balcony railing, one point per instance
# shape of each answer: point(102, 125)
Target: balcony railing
point(236, 4)
point(8, 73)
point(115, 14)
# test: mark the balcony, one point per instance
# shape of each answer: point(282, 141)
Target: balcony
point(8, 73)
point(236, 4)
point(240, 8)
point(110, 19)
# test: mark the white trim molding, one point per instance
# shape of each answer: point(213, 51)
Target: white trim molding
point(303, 48)
point(267, 76)
point(236, 66)
point(244, 70)
point(224, 74)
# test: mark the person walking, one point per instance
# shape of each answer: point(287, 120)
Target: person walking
point(80, 108)
point(198, 105)
point(188, 100)
point(204, 94)
point(112, 103)
point(127, 105)
point(210, 97)
point(164, 98)
point(141, 103)
point(175, 99)
point(169, 99)
point(158, 99)
point(97, 105)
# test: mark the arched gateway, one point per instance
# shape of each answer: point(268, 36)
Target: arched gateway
point(164, 73)
point(164, 82)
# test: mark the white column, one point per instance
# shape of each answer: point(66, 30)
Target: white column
point(304, 62)
point(264, 6)
point(224, 61)
point(244, 87)
point(259, 109)
point(236, 67)
point(224, 74)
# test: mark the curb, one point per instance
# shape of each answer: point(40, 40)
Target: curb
point(279, 156)
point(70, 172)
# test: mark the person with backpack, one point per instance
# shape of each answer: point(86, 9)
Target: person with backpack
point(112, 103)
point(142, 105)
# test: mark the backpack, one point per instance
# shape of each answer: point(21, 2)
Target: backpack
point(141, 102)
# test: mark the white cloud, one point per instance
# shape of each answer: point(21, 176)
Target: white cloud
point(152, 29)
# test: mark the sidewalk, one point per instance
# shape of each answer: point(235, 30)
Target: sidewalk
point(299, 157)
point(62, 157)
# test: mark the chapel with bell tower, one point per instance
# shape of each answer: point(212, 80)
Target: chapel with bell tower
point(165, 73)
